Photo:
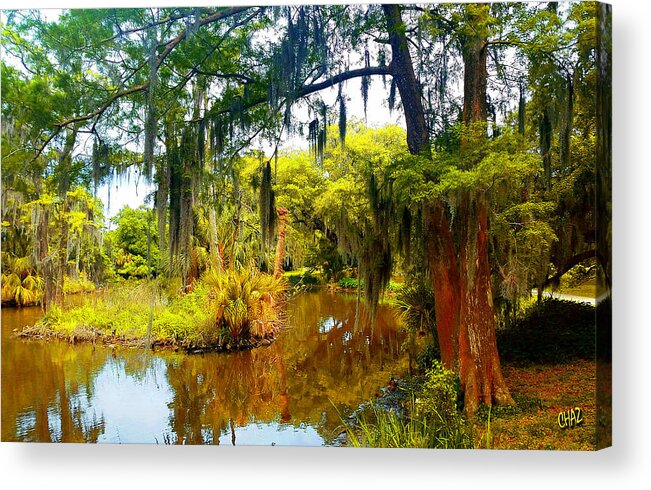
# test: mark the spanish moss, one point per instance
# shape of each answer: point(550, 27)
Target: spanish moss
point(342, 115)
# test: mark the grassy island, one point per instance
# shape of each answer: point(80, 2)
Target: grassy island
point(233, 310)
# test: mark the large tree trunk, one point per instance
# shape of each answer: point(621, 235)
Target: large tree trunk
point(603, 219)
point(521, 111)
point(236, 231)
point(604, 146)
point(45, 260)
point(62, 255)
point(215, 252)
point(475, 79)
point(568, 125)
point(463, 297)
point(65, 164)
point(441, 253)
point(480, 371)
point(546, 135)
point(442, 261)
point(402, 70)
point(163, 189)
point(481, 375)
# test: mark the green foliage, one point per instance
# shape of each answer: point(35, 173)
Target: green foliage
point(230, 309)
point(579, 274)
point(326, 256)
point(79, 285)
point(523, 405)
point(389, 430)
point(433, 420)
point(415, 301)
point(136, 231)
point(426, 357)
point(21, 284)
point(440, 395)
point(246, 303)
point(350, 283)
point(304, 277)
point(554, 331)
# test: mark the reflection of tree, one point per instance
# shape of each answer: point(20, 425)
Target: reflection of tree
point(50, 400)
point(292, 381)
point(343, 366)
point(213, 390)
point(295, 381)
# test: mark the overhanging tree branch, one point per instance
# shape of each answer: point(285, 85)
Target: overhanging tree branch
point(316, 87)
point(171, 18)
point(342, 77)
point(571, 262)
point(169, 47)
point(222, 14)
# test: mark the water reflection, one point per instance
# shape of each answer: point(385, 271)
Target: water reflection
point(282, 394)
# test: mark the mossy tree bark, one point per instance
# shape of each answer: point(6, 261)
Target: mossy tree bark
point(64, 167)
point(44, 259)
point(442, 258)
point(439, 240)
point(480, 370)
point(460, 271)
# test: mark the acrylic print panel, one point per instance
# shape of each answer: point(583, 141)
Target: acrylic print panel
point(341, 225)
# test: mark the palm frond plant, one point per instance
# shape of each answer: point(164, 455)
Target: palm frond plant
point(246, 302)
point(21, 284)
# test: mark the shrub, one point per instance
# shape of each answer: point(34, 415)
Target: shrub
point(21, 284)
point(427, 356)
point(349, 283)
point(230, 308)
point(79, 285)
point(325, 256)
point(246, 302)
point(554, 331)
point(415, 301)
point(301, 277)
point(439, 396)
point(432, 418)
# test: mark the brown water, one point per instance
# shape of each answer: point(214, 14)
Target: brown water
point(284, 394)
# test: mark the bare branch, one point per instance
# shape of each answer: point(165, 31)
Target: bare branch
point(316, 87)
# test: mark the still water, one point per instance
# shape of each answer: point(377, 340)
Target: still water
point(284, 394)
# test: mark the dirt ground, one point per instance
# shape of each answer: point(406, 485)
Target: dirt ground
point(541, 393)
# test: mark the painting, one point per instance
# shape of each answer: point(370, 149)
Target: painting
point(351, 225)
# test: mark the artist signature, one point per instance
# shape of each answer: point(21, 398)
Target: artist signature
point(570, 418)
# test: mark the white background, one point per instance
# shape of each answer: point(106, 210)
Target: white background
point(625, 466)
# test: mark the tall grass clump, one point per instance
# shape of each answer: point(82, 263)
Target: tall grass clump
point(432, 418)
point(81, 284)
